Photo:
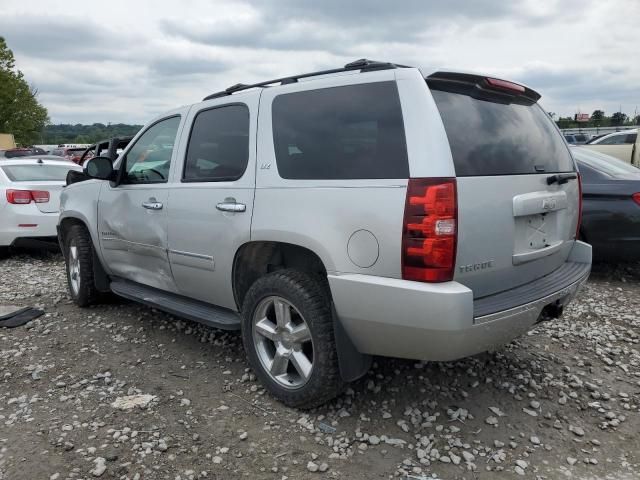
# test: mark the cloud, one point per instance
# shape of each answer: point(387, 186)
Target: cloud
point(133, 60)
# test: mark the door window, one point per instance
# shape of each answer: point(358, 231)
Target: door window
point(149, 159)
point(218, 147)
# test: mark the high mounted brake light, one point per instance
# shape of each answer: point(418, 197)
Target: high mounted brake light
point(429, 233)
point(503, 84)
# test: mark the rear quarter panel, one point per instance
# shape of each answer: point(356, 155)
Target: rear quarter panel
point(323, 215)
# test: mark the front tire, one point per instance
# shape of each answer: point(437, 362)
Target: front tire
point(79, 263)
point(287, 331)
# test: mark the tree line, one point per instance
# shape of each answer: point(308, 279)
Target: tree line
point(67, 133)
point(598, 119)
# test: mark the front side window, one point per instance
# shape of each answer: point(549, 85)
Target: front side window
point(350, 132)
point(148, 161)
point(218, 147)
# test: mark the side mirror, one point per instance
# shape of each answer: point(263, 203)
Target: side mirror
point(100, 168)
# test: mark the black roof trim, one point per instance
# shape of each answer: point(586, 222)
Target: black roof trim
point(362, 64)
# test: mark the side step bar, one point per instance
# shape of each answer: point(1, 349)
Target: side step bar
point(178, 305)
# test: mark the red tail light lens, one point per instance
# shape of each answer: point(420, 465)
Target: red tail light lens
point(22, 197)
point(40, 196)
point(430, 230)
point(579, 206)
point(636, 197)
point(504, 85)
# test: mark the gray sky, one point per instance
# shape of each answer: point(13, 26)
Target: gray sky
point(130, 60)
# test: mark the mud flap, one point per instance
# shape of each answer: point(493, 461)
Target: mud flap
point(353, 364)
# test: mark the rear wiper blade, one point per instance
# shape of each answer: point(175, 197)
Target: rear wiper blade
point(561, 178)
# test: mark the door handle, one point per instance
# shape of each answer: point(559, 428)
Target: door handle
point(230, 205)
point(152, 204)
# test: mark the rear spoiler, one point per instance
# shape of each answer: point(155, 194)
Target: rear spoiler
point(483, 88)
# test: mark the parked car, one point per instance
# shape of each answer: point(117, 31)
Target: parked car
point(623, 145)
point(16, 153)
point(576, 138)
point(382, 212)
point(611, 205)
point(72, 154)
point(29, 200)
point(106, 148)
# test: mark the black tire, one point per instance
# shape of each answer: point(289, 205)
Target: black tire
point(4, 252)
point(310, 298)
point(85, 294)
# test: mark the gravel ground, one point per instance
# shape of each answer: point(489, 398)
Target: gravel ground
point(123, 391)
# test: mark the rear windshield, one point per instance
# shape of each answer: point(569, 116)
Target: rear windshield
point(488, 138)
point(36, 173)
point(606, 164)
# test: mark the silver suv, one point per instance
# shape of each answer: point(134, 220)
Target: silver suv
point(366, 210)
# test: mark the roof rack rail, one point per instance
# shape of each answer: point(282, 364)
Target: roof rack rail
point(362, 64)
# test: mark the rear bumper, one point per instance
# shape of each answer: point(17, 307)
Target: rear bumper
point(11, 231)
point(399, 318)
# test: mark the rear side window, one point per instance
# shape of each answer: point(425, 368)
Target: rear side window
point(614, 140)
point(631, 138)
point(350, 132)
point(219, 145)
point(35, 173)
point(488, 138)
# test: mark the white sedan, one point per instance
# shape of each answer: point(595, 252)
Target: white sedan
point(30, 199)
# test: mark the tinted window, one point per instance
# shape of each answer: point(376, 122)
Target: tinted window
point(219, 145)
point(36, 173)
point(347, 132)
point(488, 138)
point(613, 140)
point(631, 138)
point(149, 159)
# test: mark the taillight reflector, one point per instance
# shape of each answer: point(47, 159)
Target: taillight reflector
point(636, 197)
point(22, 197)
point(429, 233)
point(503, 84)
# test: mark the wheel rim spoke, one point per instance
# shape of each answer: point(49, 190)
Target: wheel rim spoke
point(302, 364)
point(279, 364)
point(301, 334)
point(283, 313)
point(267, 329)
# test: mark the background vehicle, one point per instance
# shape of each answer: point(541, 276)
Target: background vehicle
point(622, 145)
point(576, 138)
point(377, 211)
point(72, 154)
point(20, 152)
point(611, 205)
point(106, 148)
point(30, 199)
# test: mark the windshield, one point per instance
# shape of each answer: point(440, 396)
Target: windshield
point(489, 138)
point(36, 173)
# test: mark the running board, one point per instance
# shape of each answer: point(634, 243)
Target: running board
point(201, 312)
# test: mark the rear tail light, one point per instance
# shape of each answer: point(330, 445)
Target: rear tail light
point(636, 197)
point(429, 232)
point(21, 197)
point(579, 206)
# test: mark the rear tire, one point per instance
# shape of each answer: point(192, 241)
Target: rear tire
point(287, 331)
point(79, 264)
point(4, 252)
